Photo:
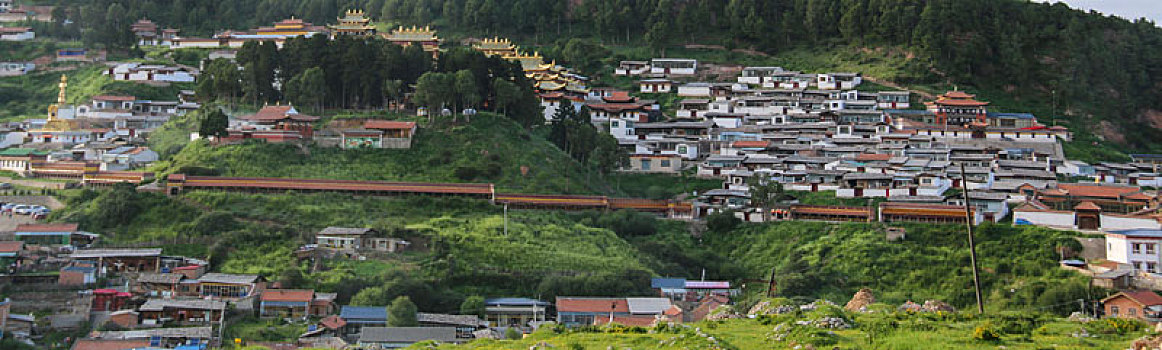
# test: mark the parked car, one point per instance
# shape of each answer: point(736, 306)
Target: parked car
point(7, 207)
point(22, 209)
point(5, 186)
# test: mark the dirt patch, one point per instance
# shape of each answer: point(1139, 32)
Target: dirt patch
point(1109, 132)
point(1153, 117)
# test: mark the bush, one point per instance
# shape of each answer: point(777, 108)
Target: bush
point(512, 334)
point(1119, 326)
point(986, 332)
point(723, 221)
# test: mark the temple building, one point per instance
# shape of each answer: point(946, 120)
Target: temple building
point(546, 77)
point(59, 125)
point(273, 124)
point(426, 37)
point(282, 30)
point(496, 47)
point(958, 108)
point(353, 22)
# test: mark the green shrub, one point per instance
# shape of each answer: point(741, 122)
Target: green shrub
point(1114, 325)
point(986, 331)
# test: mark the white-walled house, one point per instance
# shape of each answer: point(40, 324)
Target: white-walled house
point(1139, 248)
point(11, 69)
point(16, 34)
point(140, 72)
point(632, 68)
point(894, 99)
point(656, 86)
point(673, 66)
point(758, 75)
point(838, 81)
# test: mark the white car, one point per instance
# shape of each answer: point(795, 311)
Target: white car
point(22, 209)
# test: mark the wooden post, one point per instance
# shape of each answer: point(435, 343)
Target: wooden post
point(968, 219)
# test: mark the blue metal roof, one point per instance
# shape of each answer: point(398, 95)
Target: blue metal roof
point(1139, 233)
point(84, 269)
point(515, 301)
point(1011, 115)
point(667, 283)
point(363, 313)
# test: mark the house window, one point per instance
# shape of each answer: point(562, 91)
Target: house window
point(1132, 312)
point(1152, 267)
point(615, 124)
point(645, 164)
point(665, 163)
point(1114, 311)
point(1136, 248)
point(1149, 248)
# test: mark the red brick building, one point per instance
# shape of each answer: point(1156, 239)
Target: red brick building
point(1141, 304)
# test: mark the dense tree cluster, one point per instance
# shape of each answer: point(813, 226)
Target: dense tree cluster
point(573, 132)
point(370, 73)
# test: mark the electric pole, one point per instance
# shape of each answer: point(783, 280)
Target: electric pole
point(968, 220)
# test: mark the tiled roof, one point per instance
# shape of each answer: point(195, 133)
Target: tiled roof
point(345, 231)
point(1087, 190)
point(273, 113)
point(1145, 297)
point(11, 246)
point(592, 305)
point(288, 295)
point(407, 335)
point(47, 228)
point(333, 322)
point(1087, 206)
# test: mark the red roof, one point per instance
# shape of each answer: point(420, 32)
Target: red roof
point(593, 305)
point(11, 246)
point(1144, 297)
point(114, 98)
point(1083, 190)
point(333, 322)
point(619, 96)
point(751, 144)
point(288, 295)
point(869, 157)
point(273, 113)
point(388, 125)
point(47, 228)
point(99, 344)
point(5, 30)
point(1087, 206)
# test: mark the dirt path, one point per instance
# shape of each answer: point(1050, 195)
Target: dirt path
point(924, 94)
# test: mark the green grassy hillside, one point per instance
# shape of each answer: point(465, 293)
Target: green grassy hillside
point(884, 330)
point(490, 149)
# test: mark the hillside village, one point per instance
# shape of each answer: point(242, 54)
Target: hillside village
point(778, 145)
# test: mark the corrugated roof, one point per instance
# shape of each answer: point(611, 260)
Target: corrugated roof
point(648, 306)
point(363, 313)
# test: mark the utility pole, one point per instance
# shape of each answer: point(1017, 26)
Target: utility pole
point(506, 219)
point(968, 219)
